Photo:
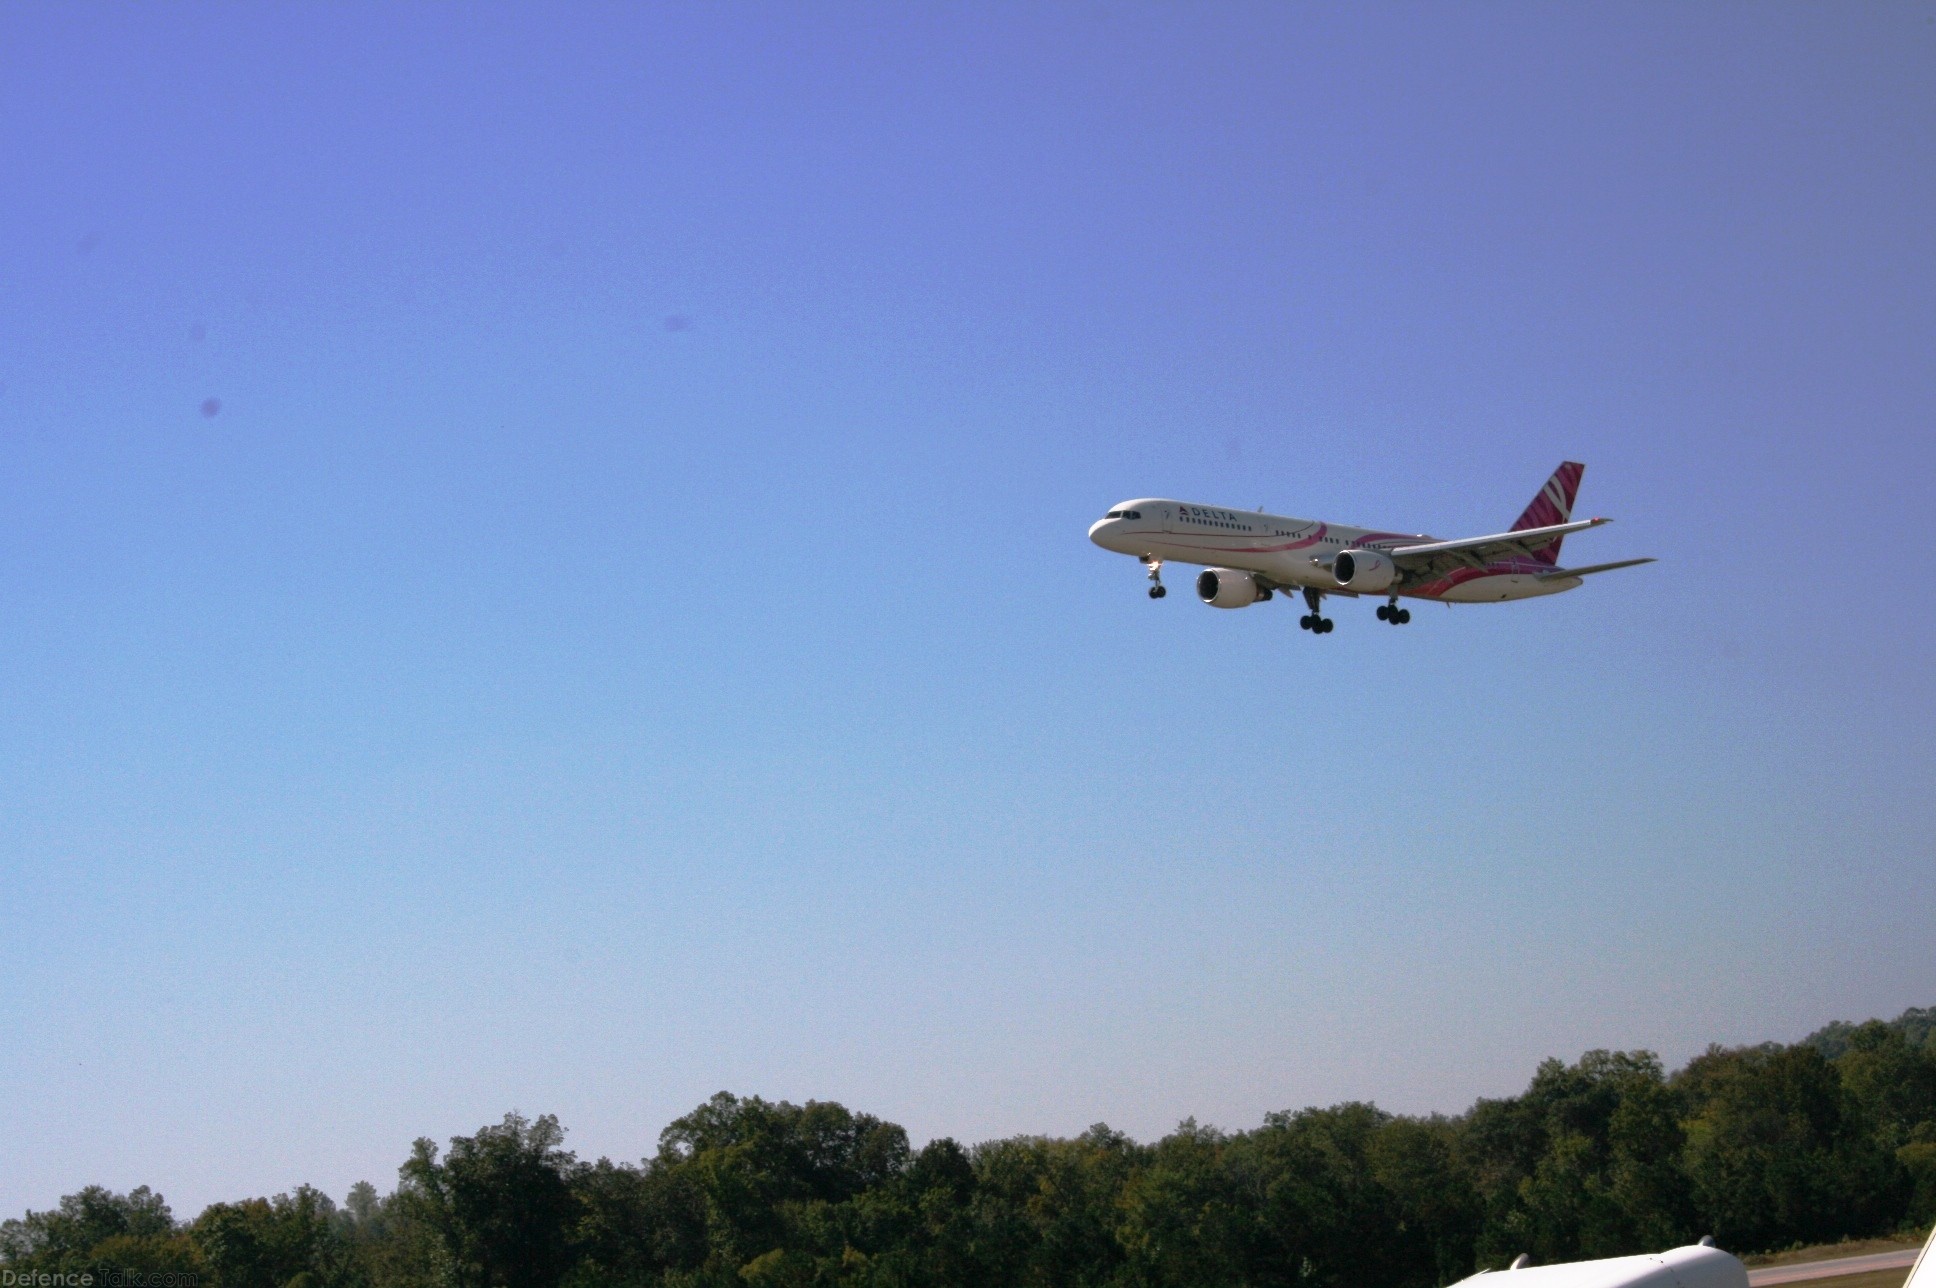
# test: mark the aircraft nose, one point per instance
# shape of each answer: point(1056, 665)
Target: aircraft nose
point(1099, 529)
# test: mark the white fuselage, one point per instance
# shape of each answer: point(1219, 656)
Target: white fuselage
point(1298, 552)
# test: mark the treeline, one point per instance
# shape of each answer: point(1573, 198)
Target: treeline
point(1762, 1147)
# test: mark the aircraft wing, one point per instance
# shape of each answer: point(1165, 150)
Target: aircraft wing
point(1479, 551)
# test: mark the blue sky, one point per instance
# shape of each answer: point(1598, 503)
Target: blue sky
point(627, 630)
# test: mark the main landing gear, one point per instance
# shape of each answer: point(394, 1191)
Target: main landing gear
point(1393, 613)
point(1315, 621)
point(1156, 577)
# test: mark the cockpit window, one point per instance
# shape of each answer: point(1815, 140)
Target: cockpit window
point(1132, 514)
point(1113, 514)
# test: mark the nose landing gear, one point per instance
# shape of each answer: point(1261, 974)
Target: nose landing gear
point(1315, 621)
point(1393, 613)
point(1156, 590)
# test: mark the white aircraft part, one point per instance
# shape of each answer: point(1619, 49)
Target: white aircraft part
point(1497, 539)
point(1590, 569)
point(1226, 588)
point(1695, 1266)
point(1502, 586)
point(1923, 1273)
point(1369, 571)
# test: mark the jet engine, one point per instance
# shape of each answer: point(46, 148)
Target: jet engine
point(1369, 571)
point(1229, 588)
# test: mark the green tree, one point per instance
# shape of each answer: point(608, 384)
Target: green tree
point(1777, 1152)
point(931, 1207)
point(1918, 1161)
point(1435, 1206)
point(1761, 1146)
point(387, 1243)
point(1187, 1217)
point(145, 1254)
point(84, 1220)
point(1327, 1209)
point(1646, 1180)
point(1586, 1163)
point(1916, 1026)
point(97, 1231)
point(265, 1243)
point(501, 1203)
point(778, 1176)
point(1046, 1211)
point(636, 1224)
point(1892, 1083)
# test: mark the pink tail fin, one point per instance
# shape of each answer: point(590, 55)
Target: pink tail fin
point(1554, 504)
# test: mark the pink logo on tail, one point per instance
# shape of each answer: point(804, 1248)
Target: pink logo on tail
point(1554, 504)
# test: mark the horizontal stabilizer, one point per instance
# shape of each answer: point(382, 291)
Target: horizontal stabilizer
point(1591, 569)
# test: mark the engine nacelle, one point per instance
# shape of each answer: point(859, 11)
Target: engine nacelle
point(1369, 571)
point(1229, 588)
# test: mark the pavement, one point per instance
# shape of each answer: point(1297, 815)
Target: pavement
point(1901, 1259)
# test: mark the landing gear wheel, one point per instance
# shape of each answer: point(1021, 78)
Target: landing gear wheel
point(1384, 612)
point(1314, 621)
point(1157, 592)
point(1326, 626)
point(1404, 615)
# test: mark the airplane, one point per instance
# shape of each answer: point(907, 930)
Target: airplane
point(1250, 556)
